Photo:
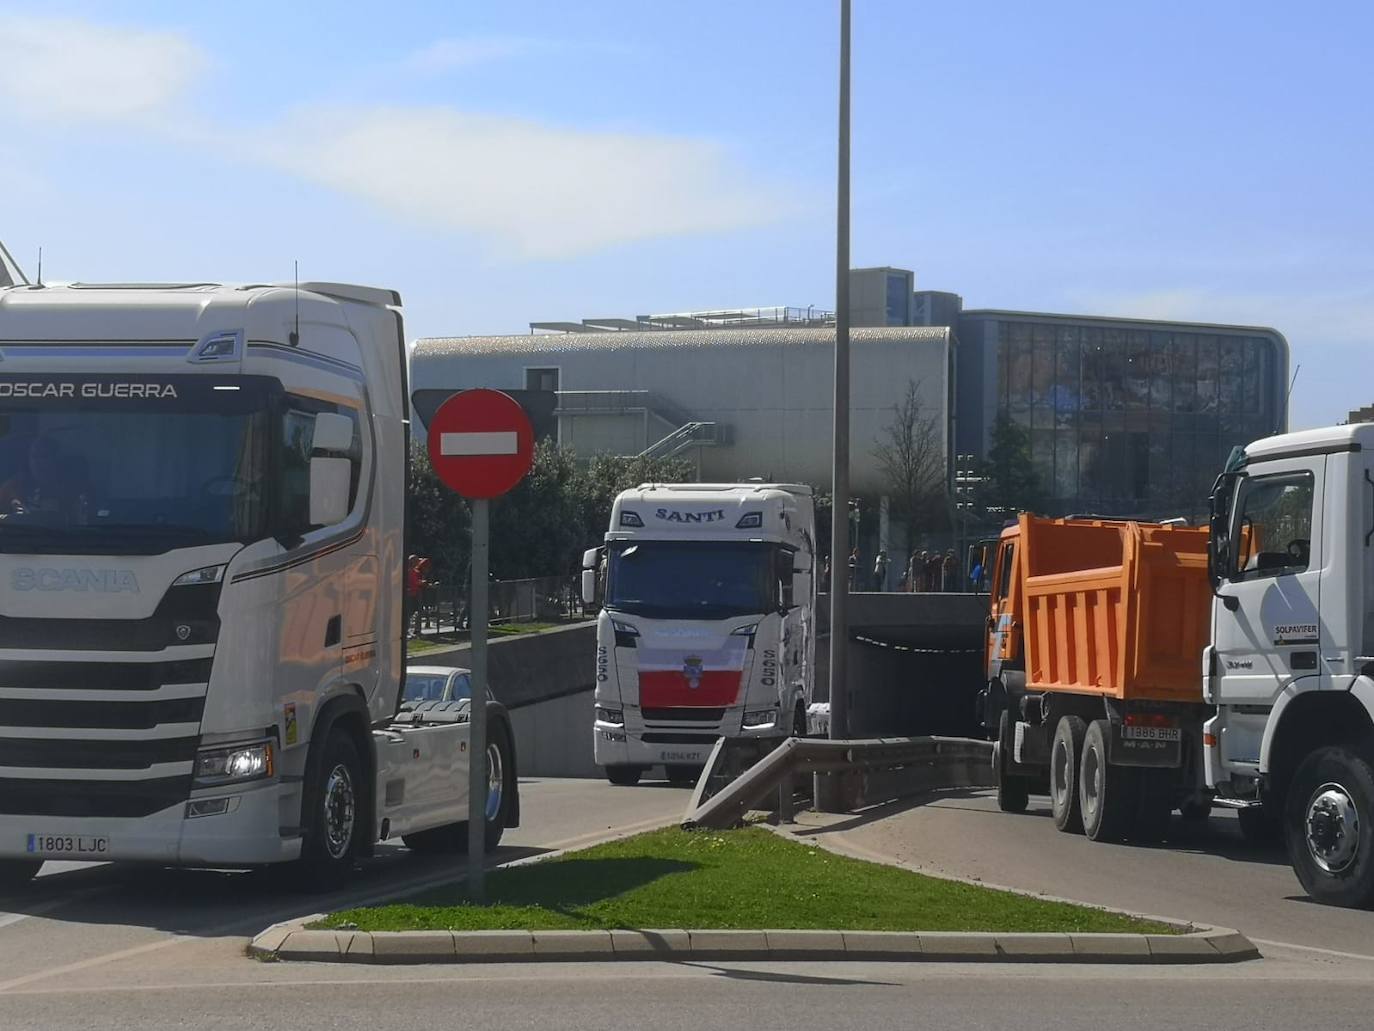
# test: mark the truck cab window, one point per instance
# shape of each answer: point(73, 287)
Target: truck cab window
point(1004, 585)
point(1274, 528)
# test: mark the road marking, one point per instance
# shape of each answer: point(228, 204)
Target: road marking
point(237, 926)
point(495, 442)
point(1313, 948)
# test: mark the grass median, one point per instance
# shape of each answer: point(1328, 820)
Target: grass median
point(747, 878)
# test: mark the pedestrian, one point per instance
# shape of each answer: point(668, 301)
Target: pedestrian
point(880, 571)
point(913, 565)
point(933, 567)
point(853, 569)
point(949, 570)
point(415, 585)
point(825, 575)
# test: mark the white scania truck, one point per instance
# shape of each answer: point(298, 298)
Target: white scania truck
point(708, 625)
point(202, 509)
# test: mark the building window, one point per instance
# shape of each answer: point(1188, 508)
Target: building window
point(898, 300)
point(541, 379)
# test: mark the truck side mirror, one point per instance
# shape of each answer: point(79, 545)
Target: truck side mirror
point(329, 483)
point(1219, 528)
point(333, 432)
point(591, 562)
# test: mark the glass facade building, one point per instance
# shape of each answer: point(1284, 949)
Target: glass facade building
point(1124, 417)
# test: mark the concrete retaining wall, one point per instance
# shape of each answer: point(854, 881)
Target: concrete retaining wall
point(545, 679)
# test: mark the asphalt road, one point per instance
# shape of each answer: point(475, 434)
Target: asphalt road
point(100, 925)
point(1277, 994)
point(119, 948)
point(1206, 873)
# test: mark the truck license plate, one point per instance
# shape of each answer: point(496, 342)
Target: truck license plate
point(67, 846)
point(1151, 733)
point(1147, 746)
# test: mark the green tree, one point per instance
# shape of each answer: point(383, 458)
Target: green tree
point(561, 508)
point(439, 520)
point(1010, 483)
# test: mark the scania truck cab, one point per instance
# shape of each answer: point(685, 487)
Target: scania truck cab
point(202, 504)
point(708, 622)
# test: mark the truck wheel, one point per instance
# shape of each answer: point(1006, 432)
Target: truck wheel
point(1329, 826)
point(624, 776)
point(1013, 791)
point(453, 837)
point(15, 873)
point(333, 797)
point(1066, 754)
point(1105, 793)
point(1154, 806)
point(683, 776)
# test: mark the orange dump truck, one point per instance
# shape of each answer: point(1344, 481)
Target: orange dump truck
point(1094, 672)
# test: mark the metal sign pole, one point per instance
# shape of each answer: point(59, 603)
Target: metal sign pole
point(477, 718)
point(827, 787)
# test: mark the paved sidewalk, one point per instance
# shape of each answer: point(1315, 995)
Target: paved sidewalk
point(1207, 874)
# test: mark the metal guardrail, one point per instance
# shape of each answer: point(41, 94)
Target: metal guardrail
point(741, 774)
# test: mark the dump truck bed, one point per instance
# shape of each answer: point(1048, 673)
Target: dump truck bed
point(1114, 608)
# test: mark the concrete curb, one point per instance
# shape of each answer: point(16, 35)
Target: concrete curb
point(291, 942)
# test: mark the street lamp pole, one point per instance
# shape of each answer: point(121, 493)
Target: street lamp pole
point(827, 787)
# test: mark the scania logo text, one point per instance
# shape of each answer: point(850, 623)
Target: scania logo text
point(101, 581)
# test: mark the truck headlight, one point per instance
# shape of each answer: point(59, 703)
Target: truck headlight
point(615, 717)
point(196, 577)
point(235, 764)
point(760, 719)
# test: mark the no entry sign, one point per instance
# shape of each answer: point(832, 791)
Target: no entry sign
point(481, 443)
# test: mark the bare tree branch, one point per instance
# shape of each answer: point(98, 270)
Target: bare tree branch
point(911, 453)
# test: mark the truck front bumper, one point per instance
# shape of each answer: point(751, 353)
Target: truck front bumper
point(248, 833)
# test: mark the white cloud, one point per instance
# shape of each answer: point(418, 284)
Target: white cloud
point(445, 55)
point(535, 190)
point(65, 68)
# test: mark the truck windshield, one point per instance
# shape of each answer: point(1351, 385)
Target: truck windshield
point(106, 465)
point(693, 580)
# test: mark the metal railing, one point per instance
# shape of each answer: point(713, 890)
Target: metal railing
point(545, 599)
point(742, 773)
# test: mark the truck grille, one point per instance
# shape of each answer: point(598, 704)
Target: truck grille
point(679, 739)
point(683, 714)
point(110, 798)
point(100, 739)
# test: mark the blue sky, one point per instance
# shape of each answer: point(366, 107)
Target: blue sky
point(500, 163)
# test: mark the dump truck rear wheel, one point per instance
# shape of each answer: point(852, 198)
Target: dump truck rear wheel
point(1013, 791)
point(1066, 755)
point(1106, 793)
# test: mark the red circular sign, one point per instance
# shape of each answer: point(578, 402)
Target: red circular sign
point(481, 443)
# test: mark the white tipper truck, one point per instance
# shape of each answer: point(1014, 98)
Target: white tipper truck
point(708, 624)
point(1290, 665)
point(202, 515)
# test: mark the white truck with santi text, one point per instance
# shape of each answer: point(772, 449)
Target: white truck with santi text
point(708, 622)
